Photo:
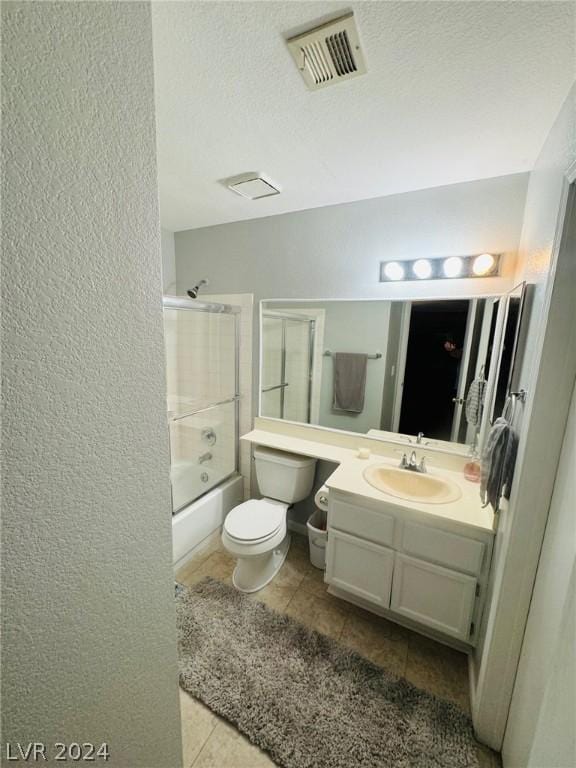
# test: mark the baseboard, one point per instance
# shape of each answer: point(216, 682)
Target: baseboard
point(298, 528)
point(472, 684)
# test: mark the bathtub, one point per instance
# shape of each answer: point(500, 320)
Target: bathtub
point(192, 524)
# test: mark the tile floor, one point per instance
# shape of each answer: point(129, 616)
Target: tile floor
point(299, 591)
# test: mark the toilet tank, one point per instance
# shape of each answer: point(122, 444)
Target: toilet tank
point(286, 477)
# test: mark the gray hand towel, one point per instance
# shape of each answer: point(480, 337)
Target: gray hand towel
point(497, 465)
point(349, 381)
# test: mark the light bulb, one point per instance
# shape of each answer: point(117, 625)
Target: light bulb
point(453, 266)
point(483, 264)
point(422, 269)
point(394, 271)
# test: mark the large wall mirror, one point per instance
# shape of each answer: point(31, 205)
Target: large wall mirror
point(390, 369)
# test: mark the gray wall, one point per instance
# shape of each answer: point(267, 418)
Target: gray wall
point(89, 647)
point(168, 262)
point(336, 251)
point(352, 326)
point(303, 510)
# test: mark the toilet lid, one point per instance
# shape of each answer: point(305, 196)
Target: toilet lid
point(255, 519)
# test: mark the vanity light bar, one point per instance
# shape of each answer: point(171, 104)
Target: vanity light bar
point(480, 265)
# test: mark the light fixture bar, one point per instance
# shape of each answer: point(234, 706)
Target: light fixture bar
point(449, 268)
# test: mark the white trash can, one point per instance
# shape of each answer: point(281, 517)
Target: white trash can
point(317, 538)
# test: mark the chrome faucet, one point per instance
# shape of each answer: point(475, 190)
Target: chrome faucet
point(205, 457)
point(419, 439)
point(412, 464)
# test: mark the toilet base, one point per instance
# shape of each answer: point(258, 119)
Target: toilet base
point(254, 573)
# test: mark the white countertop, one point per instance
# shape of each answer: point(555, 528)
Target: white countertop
point(348, 478)
point(323, 451)
point(467, 510)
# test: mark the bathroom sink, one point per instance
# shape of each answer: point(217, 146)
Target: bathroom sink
point(412, 486)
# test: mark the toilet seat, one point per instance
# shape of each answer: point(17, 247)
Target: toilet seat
point(255, 521)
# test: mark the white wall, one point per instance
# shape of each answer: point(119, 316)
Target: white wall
point(168, 262)
point(546, 375)
point(89, 646)
point(540, 730)
point(336, 251)
point(555, 738)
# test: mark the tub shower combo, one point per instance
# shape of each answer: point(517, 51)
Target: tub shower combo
point(202, 372)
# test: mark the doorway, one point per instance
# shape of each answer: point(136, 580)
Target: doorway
point(432, 373)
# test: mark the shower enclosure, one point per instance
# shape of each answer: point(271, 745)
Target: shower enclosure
point(203, 395)
point(287, 360)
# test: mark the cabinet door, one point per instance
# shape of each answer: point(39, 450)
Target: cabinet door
point(360, 567)
point(435, 596)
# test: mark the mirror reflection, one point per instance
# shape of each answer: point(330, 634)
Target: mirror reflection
point(409, 370)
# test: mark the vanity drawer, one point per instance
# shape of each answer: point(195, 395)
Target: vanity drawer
point(361, 521)
point(445, 548)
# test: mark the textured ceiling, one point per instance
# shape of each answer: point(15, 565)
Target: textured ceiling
point(455, 91)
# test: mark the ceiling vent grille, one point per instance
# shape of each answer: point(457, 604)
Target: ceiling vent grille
point(329, 53)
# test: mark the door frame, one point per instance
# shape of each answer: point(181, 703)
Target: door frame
point(494, 369)
point(463, 374)
point(401, 364)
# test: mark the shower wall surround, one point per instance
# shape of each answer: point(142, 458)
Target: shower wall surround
point(246, 303)
point(201, 398)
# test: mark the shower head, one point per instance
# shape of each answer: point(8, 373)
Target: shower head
point(193, 292)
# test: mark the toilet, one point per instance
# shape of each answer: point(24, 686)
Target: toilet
point(256, 532)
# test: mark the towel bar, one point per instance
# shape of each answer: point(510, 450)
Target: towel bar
point(377, 356)
point(520, 395)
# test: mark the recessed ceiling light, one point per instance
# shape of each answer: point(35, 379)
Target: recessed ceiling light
point(394, 271)
point(252, 186)
point(453, 266)
point(483, 264)
point(422, 269)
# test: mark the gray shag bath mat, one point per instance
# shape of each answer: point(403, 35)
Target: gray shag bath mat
point(304, 698)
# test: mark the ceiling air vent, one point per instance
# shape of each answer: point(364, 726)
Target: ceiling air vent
point(329, 53)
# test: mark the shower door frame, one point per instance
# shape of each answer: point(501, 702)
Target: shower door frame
point(284, 317)
point(192, 305)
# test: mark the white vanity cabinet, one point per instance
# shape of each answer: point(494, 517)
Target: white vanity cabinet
point(409, 567)
point(432, 595)
point(360, 567)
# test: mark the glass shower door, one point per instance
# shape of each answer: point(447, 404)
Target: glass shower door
point(273, 367)
point(298, 346)
point(202, 379)
point(287, 347)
